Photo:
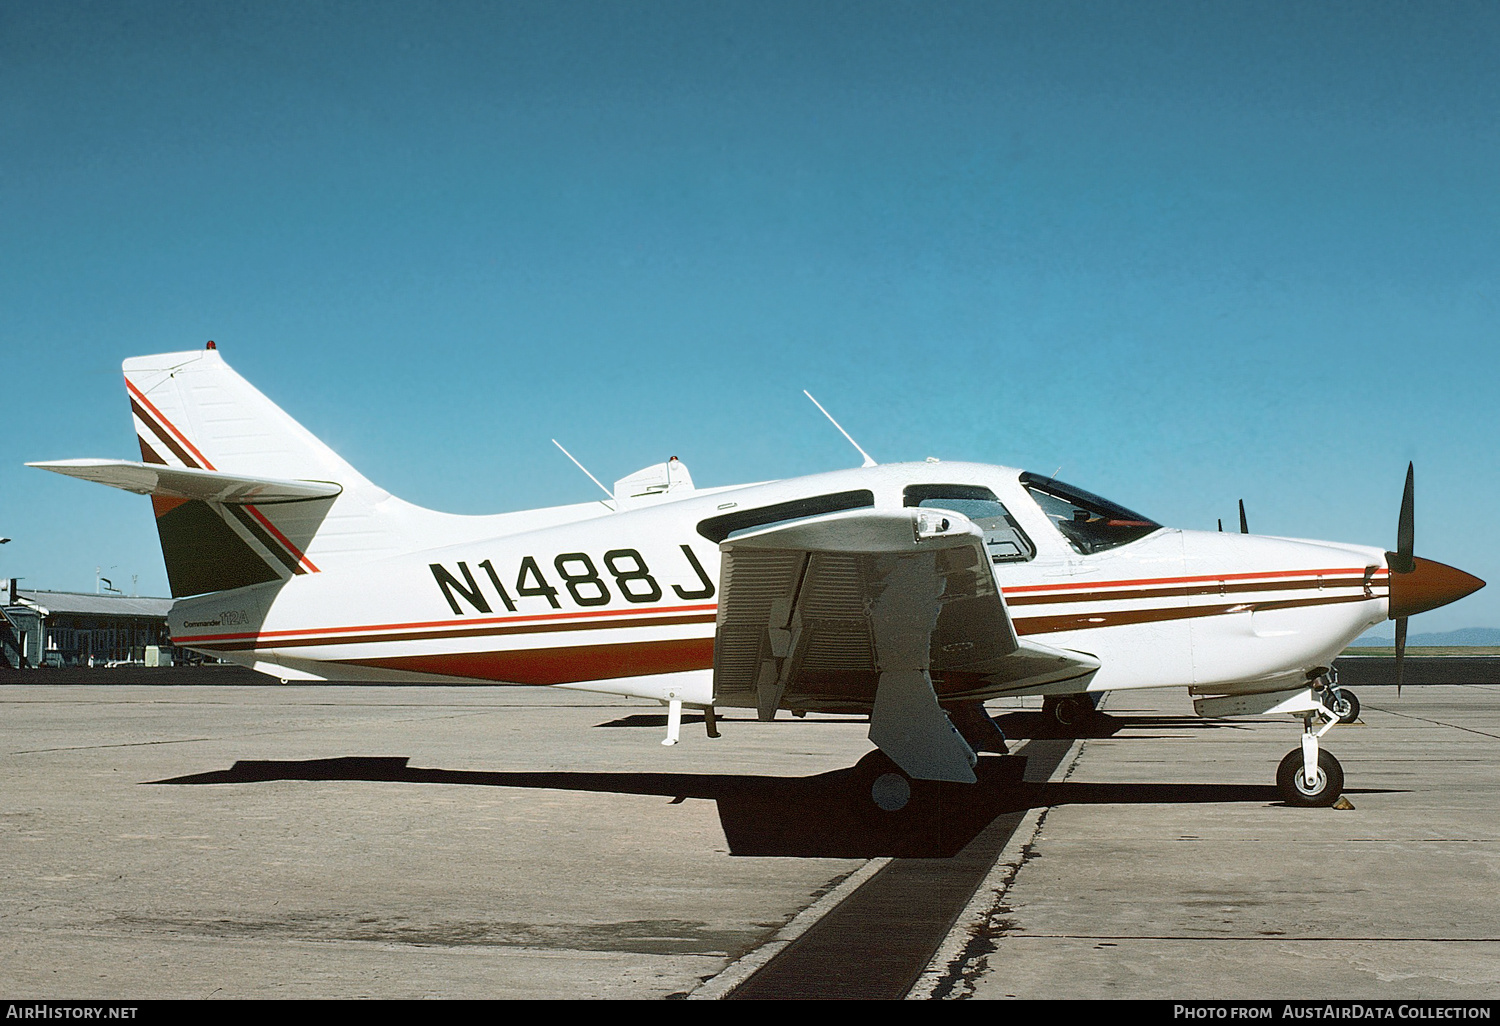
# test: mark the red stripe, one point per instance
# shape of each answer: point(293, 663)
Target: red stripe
point(560, 665)
point(645, 615)
point(1380, 572)
point(170, 426)
point(282, 538)
point(319, 631)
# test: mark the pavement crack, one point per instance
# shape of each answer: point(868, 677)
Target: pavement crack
point(961, 974)
point(1438, 723)
point(122, 744)
point(972, 962)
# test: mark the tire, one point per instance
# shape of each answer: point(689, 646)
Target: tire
point(880, 787)
point(885, 797)
point(1067, 710)
point(1294, 790)
point(1345, 704)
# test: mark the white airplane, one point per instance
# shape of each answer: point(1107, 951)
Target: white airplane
point(910, 592)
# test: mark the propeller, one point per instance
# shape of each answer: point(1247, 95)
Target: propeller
point(1244, 527)
point(1417, 584)
point(1402, 561)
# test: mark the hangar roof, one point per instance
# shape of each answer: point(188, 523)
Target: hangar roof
point(97, 605)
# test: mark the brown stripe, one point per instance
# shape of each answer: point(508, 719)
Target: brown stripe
point(470, 632)
point(265, 539)
point(1204, 588)
point(148, 454)
point(166, 439)
point(559, 665)
point(1118, 618)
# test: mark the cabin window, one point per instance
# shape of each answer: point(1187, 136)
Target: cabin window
point(1003, 538)
point(1090, 524)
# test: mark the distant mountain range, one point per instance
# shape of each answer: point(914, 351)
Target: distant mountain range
point(1385, 636)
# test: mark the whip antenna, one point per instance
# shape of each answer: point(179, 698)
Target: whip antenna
point(867, 463)
point(581, 467)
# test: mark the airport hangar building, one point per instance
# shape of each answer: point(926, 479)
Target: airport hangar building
point(63, 628)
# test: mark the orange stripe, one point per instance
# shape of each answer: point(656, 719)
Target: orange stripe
point(282, 538)
point(645, 616)
point(470, 632)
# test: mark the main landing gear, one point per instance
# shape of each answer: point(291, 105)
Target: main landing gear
point(1343, 704)
point(1069, 710)
point(889, 795)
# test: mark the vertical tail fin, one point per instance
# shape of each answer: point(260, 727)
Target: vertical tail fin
point(191, 410)
point(245, 495)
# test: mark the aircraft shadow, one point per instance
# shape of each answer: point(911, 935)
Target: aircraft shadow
point(1016, 725)
point(828, 815)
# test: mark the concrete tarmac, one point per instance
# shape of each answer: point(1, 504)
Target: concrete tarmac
point(1162, 865)
point(320, 841)
point(360, 885)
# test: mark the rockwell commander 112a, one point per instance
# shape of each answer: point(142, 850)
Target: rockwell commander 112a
point(910, 592)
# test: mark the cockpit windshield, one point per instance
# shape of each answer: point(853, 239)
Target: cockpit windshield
point(1090, 524)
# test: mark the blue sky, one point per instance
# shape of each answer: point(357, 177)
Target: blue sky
point(1188, 252)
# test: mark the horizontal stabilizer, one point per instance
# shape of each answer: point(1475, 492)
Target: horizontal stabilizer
point(187, 483)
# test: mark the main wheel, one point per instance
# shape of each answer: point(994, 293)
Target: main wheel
point(1067, 710)
point(880, 786)
point(1344, 705)
point(1291, 782)
point(886, 797)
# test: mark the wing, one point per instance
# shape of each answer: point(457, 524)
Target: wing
point(894, 611)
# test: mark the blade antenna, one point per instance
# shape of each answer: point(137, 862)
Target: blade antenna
point(868, 461)
point(1244, 525)
point(581, 467)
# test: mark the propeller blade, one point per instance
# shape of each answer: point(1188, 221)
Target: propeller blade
point(1405, 529)
point(1400, 651)
point(1244, 527)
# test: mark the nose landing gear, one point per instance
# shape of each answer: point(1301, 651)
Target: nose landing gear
point(1308, 776)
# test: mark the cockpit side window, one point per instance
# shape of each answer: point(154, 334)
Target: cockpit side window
point(1090, 524)
point(1003, 538)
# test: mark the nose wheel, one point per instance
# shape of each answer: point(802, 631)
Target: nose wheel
point(1324, 789)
